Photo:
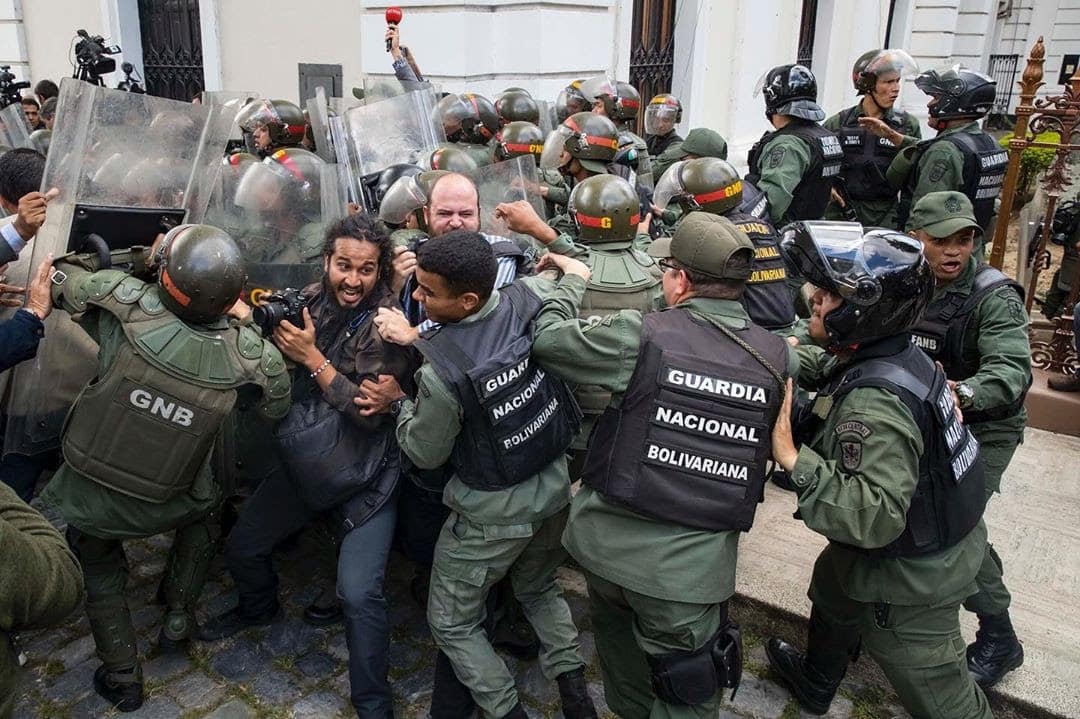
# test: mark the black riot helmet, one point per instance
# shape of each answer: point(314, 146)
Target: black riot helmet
point(516, 106)
point(391, 175)
point(467, 117)
point(958, 93)
point(200, 272)
point(790, 90)
point(881, 275)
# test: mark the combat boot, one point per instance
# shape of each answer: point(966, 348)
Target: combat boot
point(574, 695)
point(518, 712)
point(325, 610)
point(996, 651)
point(235, 620)
point(812, 688)
point(123, 689)
point(1065, 383)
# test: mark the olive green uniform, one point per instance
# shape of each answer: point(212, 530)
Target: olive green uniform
point(855, 476)
point(102, 517)
point(40, 583)
point(874, 213)
point(699, 142)
point(940, 167)
point(489, 535)
point(997, 343)
point(654, 588)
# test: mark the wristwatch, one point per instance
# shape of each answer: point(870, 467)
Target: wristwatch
point(966, 395)
point(395, 407)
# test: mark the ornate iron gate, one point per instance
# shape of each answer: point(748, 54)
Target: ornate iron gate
point(652, 54)
point(1003, 70)
point(172, 48)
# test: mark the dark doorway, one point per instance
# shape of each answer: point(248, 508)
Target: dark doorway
point(652, 49)
point(807, 27)
point(172, 48)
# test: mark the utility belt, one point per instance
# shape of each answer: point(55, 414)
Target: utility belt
point(693, 678)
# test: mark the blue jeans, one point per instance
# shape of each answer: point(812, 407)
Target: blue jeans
point(361, 574)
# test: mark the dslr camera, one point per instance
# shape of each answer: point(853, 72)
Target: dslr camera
point(9, 89)
point(288, 304)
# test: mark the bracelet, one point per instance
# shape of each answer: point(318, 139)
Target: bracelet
point(324, 365)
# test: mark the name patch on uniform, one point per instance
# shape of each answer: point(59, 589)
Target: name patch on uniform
point(762, 253)
point(774, 275)
point(530, 430)
point(708, 426)
point(496, 381)
point(998, 158)
point(158, 405)
point(963, 461)
point(709, 467)
point(713, 386)
point(854, 426)
point(520, 399)
point(927, 344)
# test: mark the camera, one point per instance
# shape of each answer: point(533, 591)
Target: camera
point(288, 304)
point(9, 89)
point(90, 55)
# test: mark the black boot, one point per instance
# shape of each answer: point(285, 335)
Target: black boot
point(325, 610)
point(996, 651)
point(518, 712)
point(124, 690)
point(574, 695)
point(233, 621)
point(813, 689)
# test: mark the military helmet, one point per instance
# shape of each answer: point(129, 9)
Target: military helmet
point(200, 272)
point(516, 106)
point(40, 139)
point(467, 117)
point(662, 114)
point(592, 139)
point(282, 119)
point(882, 276)
point(605, 208)
point(960, 93)
point(570, 101)
point(871, 65)
point(408, 195)
point(289, 177)
point(518, 139)
point(391, 175)
point(790, 90)
point(626, 104)
point(706, 183)
point(451, 159)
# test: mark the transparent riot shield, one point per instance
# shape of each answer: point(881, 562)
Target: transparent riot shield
point(14, 131)
point(548, 119)
point(508, 181)
point(319, 116)
point(281, 208)
point(232, 100)
point(397, 130)
point(127, 166)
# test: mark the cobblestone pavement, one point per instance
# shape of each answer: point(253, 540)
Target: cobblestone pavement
point(292, 670)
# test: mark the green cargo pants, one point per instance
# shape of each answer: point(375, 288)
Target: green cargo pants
point(470, 559)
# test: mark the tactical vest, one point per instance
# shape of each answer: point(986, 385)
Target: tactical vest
point(754, 202)
point(146, 426)
point(689, 442)
point(944, 326)
point(811, 196)
point(949, 499)
point(866, 156)
point(767, 298)
point(985, 164)
point(517, 418)
point(658, 143)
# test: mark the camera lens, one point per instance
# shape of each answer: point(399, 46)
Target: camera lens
point(267, 316)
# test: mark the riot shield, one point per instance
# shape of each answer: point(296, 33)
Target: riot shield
point(548, 119)
point(127, 166)
point(508, 181)
point(319, 116)
point(232, 100)
point(388, 132)
point(14, 131)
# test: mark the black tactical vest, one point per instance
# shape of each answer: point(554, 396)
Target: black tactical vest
point(517, 418)
point(950, 496)
point(812, 194)
point(985, 164)
point(658, 143)
point(866, 156)
point(689, 443)
point(767, 298)
point(754, 202)
point(944, 326)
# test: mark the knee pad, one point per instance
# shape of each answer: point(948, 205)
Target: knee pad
point(693, 678)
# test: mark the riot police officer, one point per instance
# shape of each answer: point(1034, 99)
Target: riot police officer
point(887, 472)
point(524, 138)
point(869, 146)
point(699, 142)
point(620, 102)
point(712, 185)
point(662, 114)
point(516, 105)
point(571, 101)
point(583, 146)
point(675, 469)
point(272, 124)
point(961, 156)
point(158, 342)
point(796, 164)
point(977, 328)
point(452, 158)
point(470, 122)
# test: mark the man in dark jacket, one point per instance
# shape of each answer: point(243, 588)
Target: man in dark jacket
point(19, 336)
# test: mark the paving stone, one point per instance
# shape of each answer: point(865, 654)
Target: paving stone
point(157, 707)
point(74, 653)
point(73, 684)
point(319, 706)
point(404, 656)
point(337, 648)
point(759, 698)
point(166, 666)
point(341, 683)
point(235, 709)
point(532, 682)
point(275, 688)
point(39, 646)
point(414, 687)
point(317, 664)
point(147, 569)
point(91, 707)
point(196, 691)
point(240, 662)
point(289, 636)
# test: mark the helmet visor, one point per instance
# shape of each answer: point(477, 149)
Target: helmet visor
point(835, 257)
point(553, 147)
point(660, 119)
point(256, 114)
point(569, 102)
point(670, 187)
point(260, 188)
point(941, 81)
point(596, 87)
point(402, 199)
point(454, 113)
point(888, 62)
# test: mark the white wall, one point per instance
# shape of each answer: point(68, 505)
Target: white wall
point(50, 26)
point(13, 40)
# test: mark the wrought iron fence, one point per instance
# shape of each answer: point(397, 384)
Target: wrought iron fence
point(1003, 70)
